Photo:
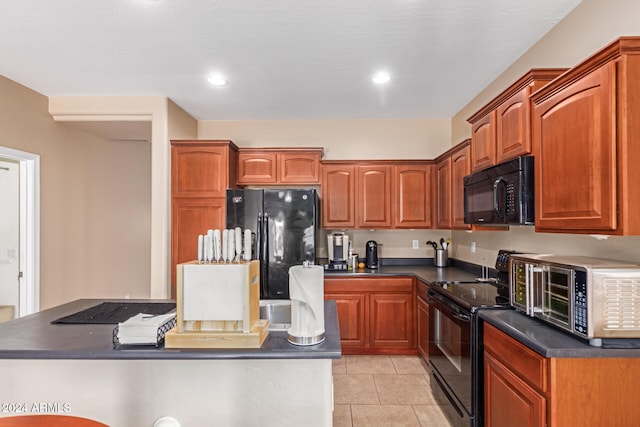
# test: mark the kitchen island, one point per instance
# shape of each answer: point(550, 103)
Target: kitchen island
point(75, 370)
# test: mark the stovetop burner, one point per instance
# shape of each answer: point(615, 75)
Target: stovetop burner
point(480, 293)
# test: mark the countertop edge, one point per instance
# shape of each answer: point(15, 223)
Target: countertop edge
point(547, 340)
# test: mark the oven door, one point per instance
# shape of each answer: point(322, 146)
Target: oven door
point(450, 357)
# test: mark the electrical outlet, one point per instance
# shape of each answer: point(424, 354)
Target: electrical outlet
point(473, 247)
point(416, 244)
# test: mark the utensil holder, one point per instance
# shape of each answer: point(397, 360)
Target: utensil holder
point(441, 259)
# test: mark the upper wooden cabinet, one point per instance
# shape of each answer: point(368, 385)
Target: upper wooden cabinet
point(338, 195)
point(201, 172)
point(501, 130)
point(279, 166)
point(586, 128)
point(451, 168)
point(443, 192)
point(373, 192)
point(202, 168)
point(377, 194)
point(412, 194)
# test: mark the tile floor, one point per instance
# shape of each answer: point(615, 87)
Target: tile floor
point(384, 391)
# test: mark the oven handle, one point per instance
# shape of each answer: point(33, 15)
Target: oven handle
point(454, 310)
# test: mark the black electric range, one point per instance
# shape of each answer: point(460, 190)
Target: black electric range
point(455, 340)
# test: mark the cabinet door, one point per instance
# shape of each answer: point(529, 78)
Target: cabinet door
point(443, 205)
point(374, 196)
point(460, 167)
point(509, 401)
point(338, 196)
point(199, 171)
point(351, 308)
point(483, 142)
point(513, 133)
point(575, 149)
point(391, 320)
point(189, 218)
point(257, 168)
point(412, 196)
point(423, 328)
point(299, 168)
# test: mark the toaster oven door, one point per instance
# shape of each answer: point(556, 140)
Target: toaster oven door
point(557, 296)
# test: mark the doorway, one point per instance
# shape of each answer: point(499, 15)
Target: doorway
point(20, 231)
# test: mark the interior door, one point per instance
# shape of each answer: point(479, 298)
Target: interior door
point(9, 233)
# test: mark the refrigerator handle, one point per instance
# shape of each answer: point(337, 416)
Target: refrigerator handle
point(264, 255)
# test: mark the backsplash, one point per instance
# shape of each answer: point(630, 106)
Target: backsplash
point(391, 243)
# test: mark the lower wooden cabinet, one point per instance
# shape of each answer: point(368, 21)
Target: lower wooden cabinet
point(422, 319)
point(375, 315)
point(509, 401)
point(523, 388)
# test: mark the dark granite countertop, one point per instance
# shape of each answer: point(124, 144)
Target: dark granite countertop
point(34, 337)
point(547, 340)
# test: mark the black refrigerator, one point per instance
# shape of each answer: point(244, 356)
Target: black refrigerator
point(284, 226)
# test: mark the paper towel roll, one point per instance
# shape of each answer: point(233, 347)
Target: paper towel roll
point(306, 290)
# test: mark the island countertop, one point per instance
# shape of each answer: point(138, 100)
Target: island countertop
point(35, 337)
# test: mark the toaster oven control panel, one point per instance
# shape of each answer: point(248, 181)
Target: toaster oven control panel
point(580, 320)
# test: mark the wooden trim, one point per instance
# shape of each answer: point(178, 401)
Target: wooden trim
point(533, 75)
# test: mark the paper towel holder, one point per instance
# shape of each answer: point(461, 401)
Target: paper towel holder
point(307, 311)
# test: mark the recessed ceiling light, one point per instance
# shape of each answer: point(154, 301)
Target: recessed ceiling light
point(381, 78)
point(217, 80)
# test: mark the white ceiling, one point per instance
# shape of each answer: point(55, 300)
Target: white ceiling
point(284, 59)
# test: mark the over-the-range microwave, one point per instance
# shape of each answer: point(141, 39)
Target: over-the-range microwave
point(592, 298)
point(501, 194)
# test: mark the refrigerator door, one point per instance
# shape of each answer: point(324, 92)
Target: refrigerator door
point(244, 207)
point(292, 228)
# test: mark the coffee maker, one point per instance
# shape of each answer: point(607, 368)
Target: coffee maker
point(338, 246)
point(371, 250)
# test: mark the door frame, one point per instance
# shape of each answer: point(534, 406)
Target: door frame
point(29, 282)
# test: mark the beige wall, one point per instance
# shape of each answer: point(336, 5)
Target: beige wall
point(589, 27)
point(95, 202)
point(341, 139)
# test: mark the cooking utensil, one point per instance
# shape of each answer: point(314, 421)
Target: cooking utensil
point(433, 244)
point(442, 243)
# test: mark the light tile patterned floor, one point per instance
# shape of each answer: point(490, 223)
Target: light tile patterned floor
point(384, 391)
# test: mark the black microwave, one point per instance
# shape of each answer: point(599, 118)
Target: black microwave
point(501, 194)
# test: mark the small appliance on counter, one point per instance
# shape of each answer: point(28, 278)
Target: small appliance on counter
point(371, 250)
point(338, 248)
point(306, 287)
point(592, 298)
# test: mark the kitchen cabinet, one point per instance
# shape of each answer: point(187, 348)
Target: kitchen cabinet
point(275, 166)
point(377, 194)
point(375, 315)
point(422, 323)
point(586, 125)
point(451, 168)
point(412, 195)
point(501, 130)
point(338, 195)
point(373, 192)
point(524, 388)
point(514, 382)
point(201, 172)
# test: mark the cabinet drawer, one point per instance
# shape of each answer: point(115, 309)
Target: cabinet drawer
point(368, 284)
point(527, 364)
